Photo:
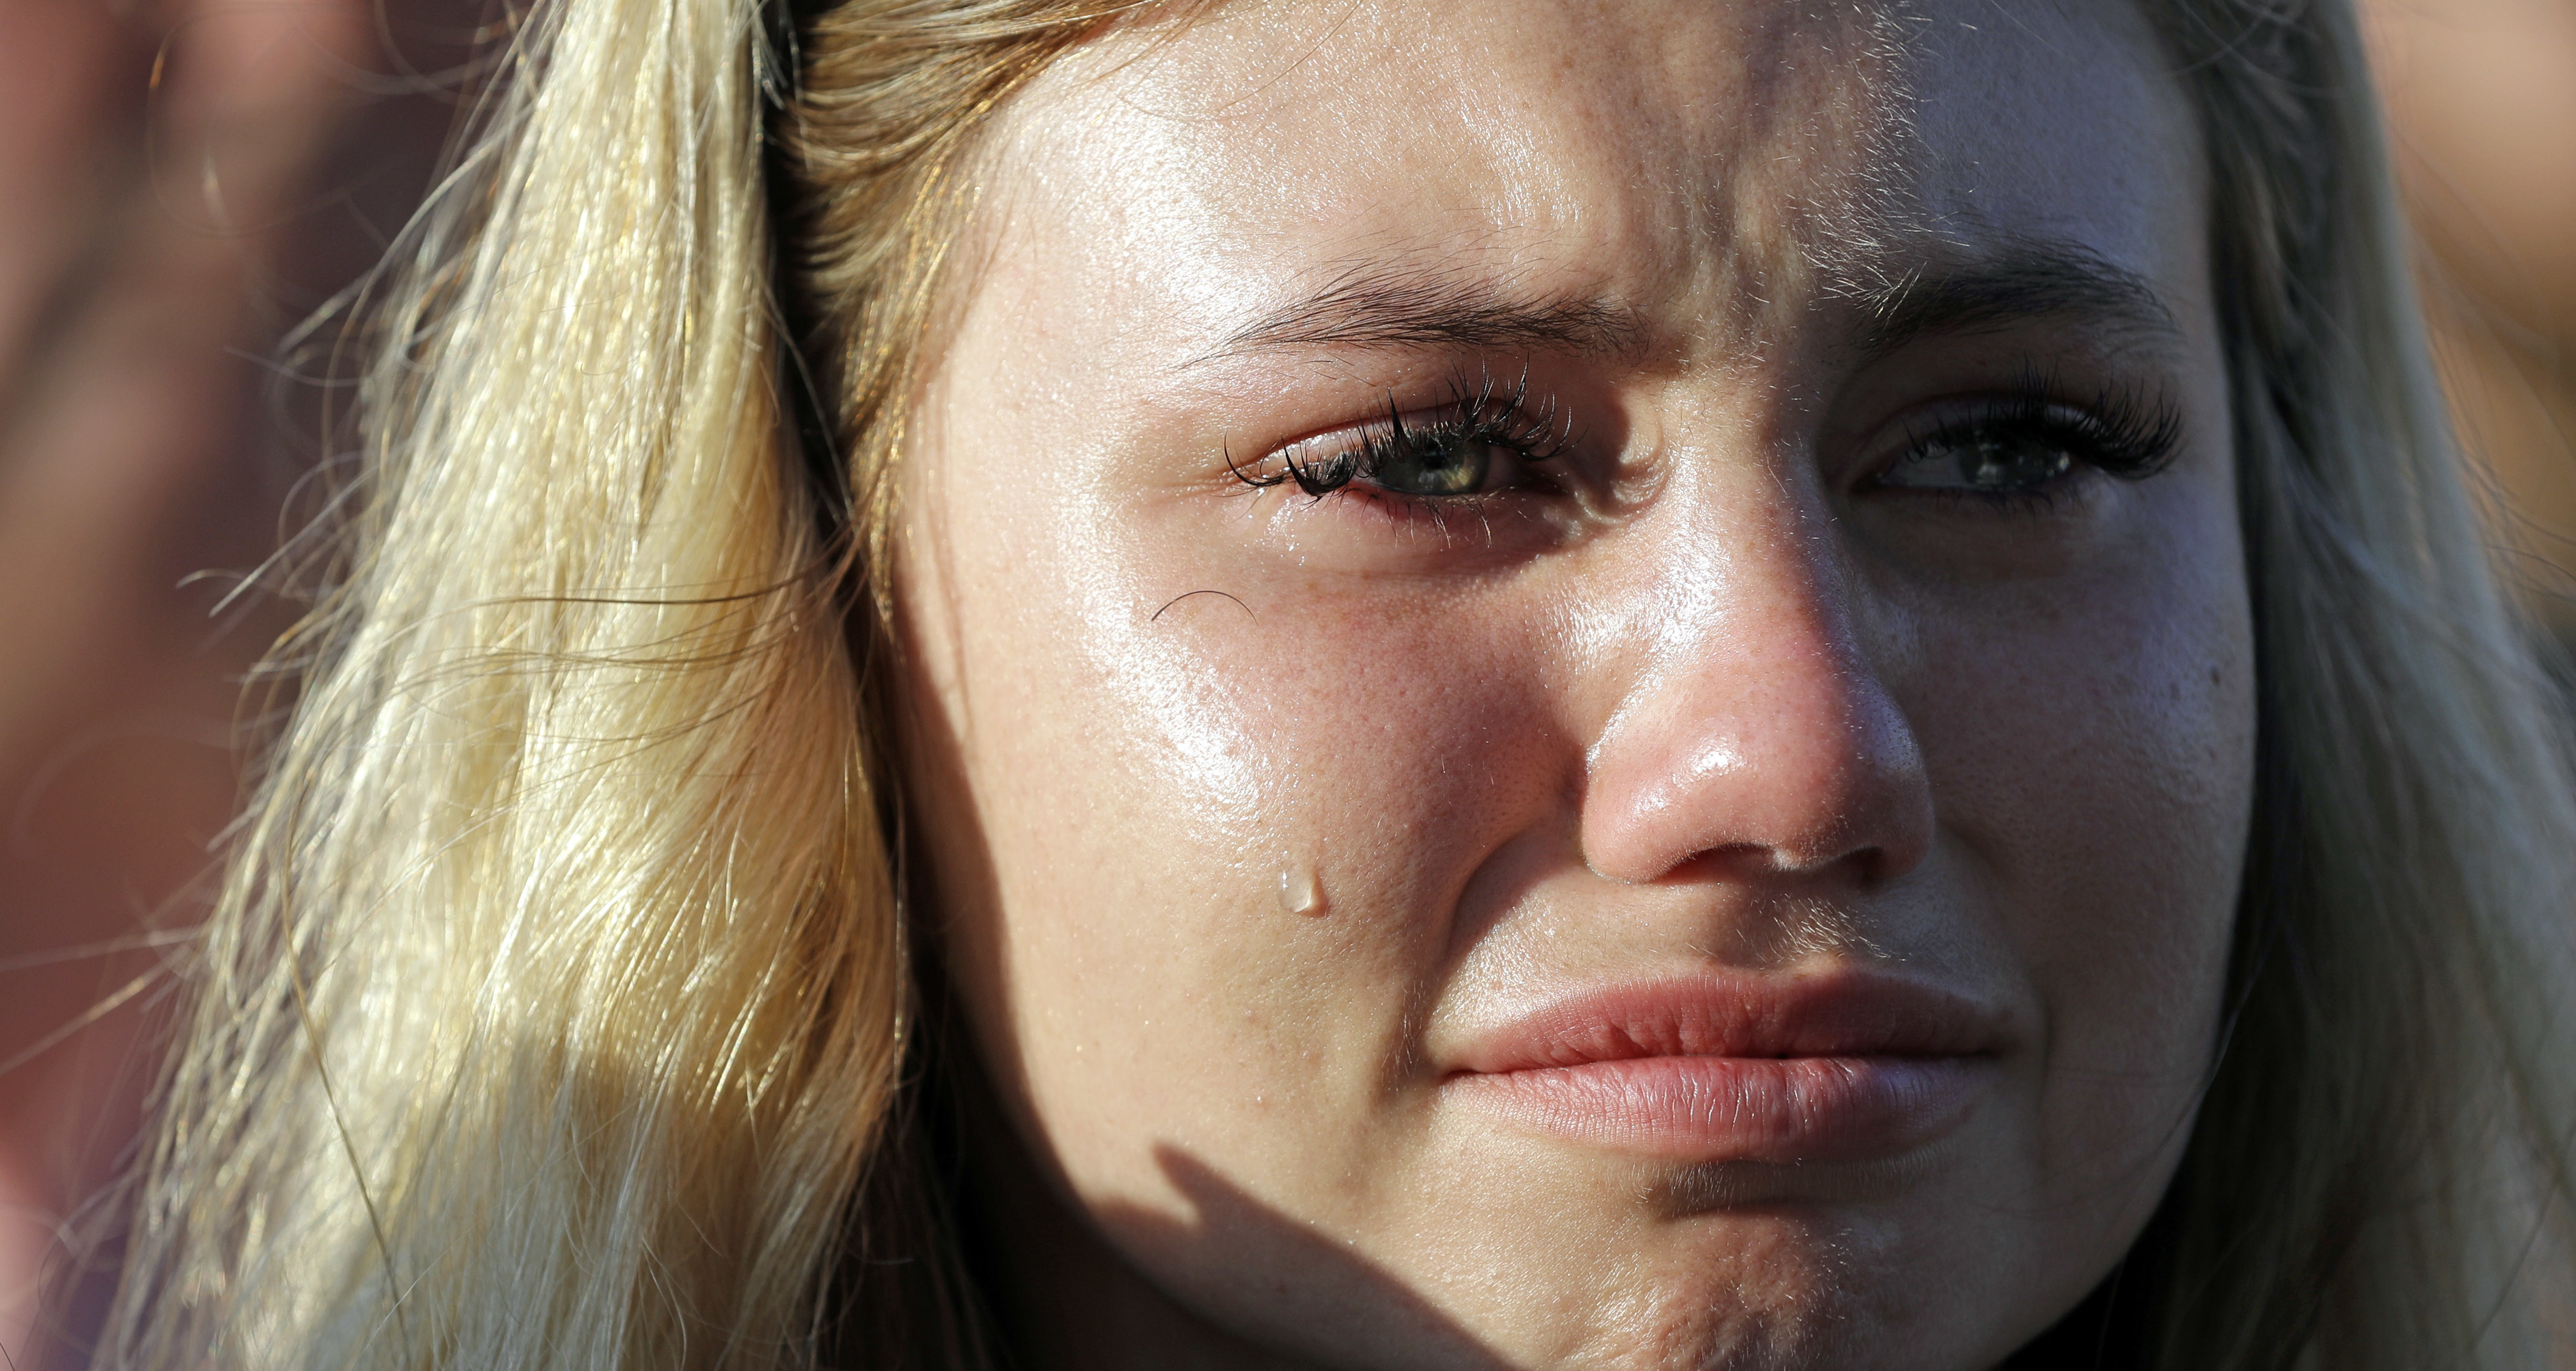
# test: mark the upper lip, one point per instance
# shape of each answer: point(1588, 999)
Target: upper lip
point(1843, 1012)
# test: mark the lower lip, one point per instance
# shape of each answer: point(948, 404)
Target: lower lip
point(1742, 1109)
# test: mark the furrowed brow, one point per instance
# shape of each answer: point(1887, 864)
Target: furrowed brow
point(2030, 281)
point(1399, 309)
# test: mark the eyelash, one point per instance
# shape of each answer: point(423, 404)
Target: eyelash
point(2120, 433)
point(1476, 414)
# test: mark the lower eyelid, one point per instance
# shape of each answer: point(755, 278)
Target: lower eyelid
point(2076, 486)
point(1481, 513)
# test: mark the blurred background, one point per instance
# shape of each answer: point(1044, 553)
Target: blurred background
point(2482, 111)
point(184, 184)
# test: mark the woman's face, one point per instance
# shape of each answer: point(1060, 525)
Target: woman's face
point(1580, 679)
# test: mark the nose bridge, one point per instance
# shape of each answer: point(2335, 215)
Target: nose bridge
point(1756, 728)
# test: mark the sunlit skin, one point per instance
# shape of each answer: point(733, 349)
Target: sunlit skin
point(1724, 659)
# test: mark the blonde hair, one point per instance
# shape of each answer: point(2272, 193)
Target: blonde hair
point(558, 1008)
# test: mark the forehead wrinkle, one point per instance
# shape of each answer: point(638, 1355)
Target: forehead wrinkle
point(1440, 302)
point(1796, 183)
point(1814, 194)
point(1799, 179)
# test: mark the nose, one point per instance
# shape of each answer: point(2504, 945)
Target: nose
point(1756, 738)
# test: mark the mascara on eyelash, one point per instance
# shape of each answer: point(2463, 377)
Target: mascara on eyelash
point(2119, 432)
point(1475, 413)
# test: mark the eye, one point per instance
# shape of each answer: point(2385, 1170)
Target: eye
point(1485, 440)
point(1989, 462)
point(2028, 443)
point(1434, 464)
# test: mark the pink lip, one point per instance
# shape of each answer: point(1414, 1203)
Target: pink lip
point(1843, 1066)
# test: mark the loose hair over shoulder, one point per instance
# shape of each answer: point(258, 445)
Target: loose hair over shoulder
point(558, 1008)
point(2379, 1176)
point(557, 1001)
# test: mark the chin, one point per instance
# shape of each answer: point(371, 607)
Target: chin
point(1769, 1281)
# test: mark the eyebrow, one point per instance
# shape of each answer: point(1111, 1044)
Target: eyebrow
point(1368, 307)
point(2028, 281)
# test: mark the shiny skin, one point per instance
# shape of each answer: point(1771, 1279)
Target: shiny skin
point(1701, 693)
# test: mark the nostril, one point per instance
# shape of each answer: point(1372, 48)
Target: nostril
point(1862, 868)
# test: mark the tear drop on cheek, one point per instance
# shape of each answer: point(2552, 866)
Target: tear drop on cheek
point(1298, 893)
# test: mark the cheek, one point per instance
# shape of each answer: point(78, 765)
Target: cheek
point(2091, 754)
point(1141, 784)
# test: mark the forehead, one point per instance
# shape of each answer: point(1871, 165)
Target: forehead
point(1721, 169)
